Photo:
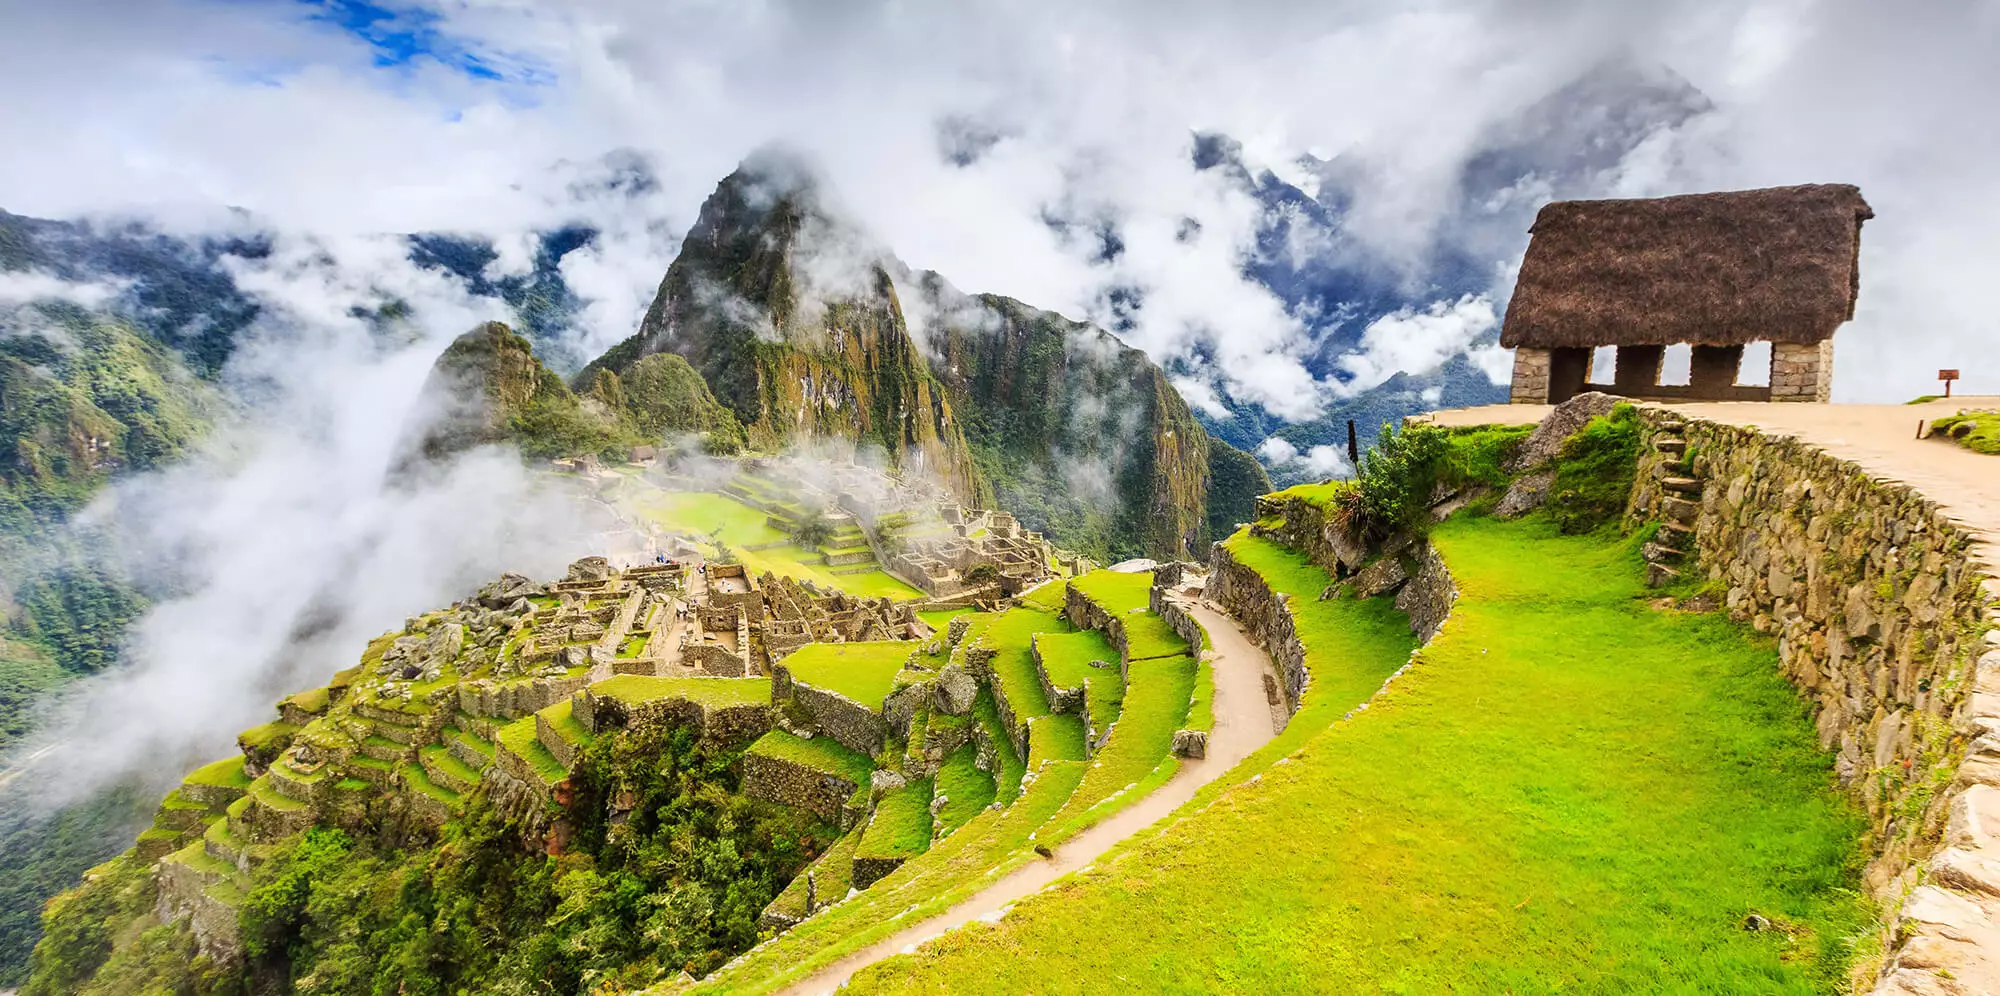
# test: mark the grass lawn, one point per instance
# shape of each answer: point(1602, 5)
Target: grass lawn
point(819, 753)
point(227, 772)
point(561, 718)
point(519, 738)
point(715, 693)
point(940, 619)
point(741, 527)
point(901, 826)
point(1055, 738)
point(832, 875)
point(864, 672)
point(1156, 704)
point(967, 790)
point(1126, 596)
point(1067, 656)
point(1571, 792)
point(1013, 666)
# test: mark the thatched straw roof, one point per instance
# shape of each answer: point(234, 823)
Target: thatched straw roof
point(1777, 264)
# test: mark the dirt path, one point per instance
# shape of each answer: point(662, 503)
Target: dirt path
point(1880, 438)
point(1242, 724)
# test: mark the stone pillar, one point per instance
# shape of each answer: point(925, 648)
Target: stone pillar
point(1712, 369)
point(1531, 377)
point(1638, 367)
point(1802, 372)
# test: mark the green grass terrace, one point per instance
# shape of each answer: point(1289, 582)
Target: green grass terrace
point(1569, 791)
point(864, 672)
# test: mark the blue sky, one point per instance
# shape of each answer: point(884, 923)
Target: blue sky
point(402, 35)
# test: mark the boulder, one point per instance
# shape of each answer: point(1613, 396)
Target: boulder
point(1526, 494)
point(1384, 575)
point(953, 691)
point(1541, 445)
point(511, 588)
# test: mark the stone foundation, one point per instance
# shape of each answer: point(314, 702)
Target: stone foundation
point(817, 792)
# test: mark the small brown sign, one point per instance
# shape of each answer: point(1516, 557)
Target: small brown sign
point(1947, 375)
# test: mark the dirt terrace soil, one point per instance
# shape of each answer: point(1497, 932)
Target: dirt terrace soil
point(1881, 439)
point(1242, 724)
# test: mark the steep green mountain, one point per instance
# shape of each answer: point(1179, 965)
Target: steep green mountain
point(488, 386)
point(803, 326)
point(791, 317)
point(1077, 431)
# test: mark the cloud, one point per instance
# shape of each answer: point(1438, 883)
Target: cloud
point(31, 286)
point(1417, 341)
point(1313, 463)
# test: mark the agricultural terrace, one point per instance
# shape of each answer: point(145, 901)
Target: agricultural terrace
point(754, 543)
point(864, 672)
point(1569, 791)
point(1060, 789)
point(1124, 595)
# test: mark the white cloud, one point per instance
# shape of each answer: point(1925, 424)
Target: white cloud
point(1321, 461)
point(1417, 342)
point(29, 286)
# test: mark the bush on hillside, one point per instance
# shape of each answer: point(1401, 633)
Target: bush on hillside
point(1594, 471)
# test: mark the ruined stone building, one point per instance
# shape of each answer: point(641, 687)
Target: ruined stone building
point(1713, 271)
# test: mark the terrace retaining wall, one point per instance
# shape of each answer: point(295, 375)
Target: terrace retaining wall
point(1083, 613)
point(851, 724)
point(1266, 614)
point(777, 780)
point(1885, 621)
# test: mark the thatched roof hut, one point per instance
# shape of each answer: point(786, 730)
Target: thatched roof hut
point(1778, 264)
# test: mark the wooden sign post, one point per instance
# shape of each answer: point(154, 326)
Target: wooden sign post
point(1947, 376)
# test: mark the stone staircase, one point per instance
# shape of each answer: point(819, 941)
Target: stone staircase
point(1672, 548)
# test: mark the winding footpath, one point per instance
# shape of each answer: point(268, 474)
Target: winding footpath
point(1242, 724)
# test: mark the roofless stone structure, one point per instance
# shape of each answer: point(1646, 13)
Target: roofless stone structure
point(1715, 271)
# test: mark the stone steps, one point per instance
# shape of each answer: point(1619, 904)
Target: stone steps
point(1680, 503)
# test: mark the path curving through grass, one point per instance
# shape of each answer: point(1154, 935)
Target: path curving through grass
point(1242, 725)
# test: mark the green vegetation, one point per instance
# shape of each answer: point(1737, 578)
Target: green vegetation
point(227, 772)
point(738, 527)
point(1055, 737)
point(561, 718)
point(819, 754)
point(1156, 704)
point(519, 738)
point(901, 825)
point(832, 875)
point(966, 789)
point(1066, 659)
point(715, 693)
point(1006, 781)
point(677, 886)
point(864, 672)
point(1686, 791)
point(1976, 431)
point(1594, 471)
point(41, 854)
point(26, 674)
point(1013, 666)
point(1391, 495)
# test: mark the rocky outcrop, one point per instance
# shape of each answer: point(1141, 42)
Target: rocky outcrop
point(1886, 624)
point(790, 315)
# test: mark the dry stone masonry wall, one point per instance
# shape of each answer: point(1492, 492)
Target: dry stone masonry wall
point(1885, 621)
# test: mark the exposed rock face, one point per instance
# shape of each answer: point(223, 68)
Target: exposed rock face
point(1561, 423)
point(792, 319)
point(1049, 401)
point(805, 327)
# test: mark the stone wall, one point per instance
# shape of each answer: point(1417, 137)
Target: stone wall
point(1163, 604)
point(1885, 623)
point(1427, 596)
point(1264, 613)
point(513, 699)
point(728, 727)
point(1531, 377)
point(777, 780)
point(1086, 614)
point(851, 724)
